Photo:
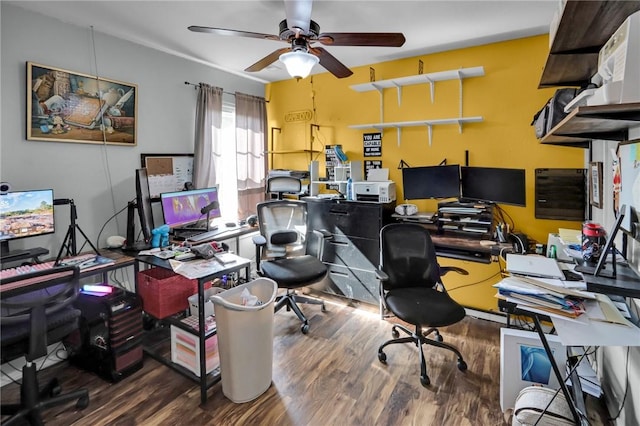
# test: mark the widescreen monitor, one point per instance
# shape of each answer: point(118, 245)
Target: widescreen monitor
point(420, 183)
point(184, 208)
point(143, 203)
point(25, 214)
point(493, 185)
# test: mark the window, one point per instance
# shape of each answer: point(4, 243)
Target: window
point(226, 166)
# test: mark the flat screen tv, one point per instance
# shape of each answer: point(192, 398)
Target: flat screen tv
point(183, 209)
point(420, 183)
point(493, 185)
point(25, 214)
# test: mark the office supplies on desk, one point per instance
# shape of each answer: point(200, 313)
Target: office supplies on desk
point(533, 266)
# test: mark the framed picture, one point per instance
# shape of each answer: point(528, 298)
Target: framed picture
point(595, 184)
point(524, 362)
point(66, 106)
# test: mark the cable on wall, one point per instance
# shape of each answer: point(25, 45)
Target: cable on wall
point(105, 152)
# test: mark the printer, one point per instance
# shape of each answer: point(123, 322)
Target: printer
point(379, 192)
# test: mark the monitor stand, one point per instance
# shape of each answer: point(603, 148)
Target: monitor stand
point(32, 253)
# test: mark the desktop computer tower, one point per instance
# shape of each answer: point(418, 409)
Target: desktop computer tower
point(109, 339)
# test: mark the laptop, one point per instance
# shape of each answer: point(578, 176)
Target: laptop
point(534, 266)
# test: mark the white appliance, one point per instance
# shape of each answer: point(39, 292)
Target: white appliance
point(619, 66)
point(380, 192)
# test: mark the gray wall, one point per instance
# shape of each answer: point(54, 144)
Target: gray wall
point(100, 178)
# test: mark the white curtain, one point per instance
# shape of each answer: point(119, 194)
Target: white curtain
point(251, 145)
point(208, 133)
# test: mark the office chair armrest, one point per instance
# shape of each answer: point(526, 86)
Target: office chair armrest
point(445, 269)
point(259, 240)
point(381, 275)
point(322, 235)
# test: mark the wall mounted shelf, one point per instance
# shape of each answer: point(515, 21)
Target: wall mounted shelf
point(428, 123)
point(429, 78)
point(608, 122)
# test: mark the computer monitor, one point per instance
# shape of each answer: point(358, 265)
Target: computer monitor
point(493, 185)
point(420, 183)
point(183, 209)
point(25, 214)
point(142, 203)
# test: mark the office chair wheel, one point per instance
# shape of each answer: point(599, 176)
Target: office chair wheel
point(394, 332)
point(438, 337)
point(323, 308)
point(382, 357)
point(425, 381)
point(304, 328)
point(82, 403)
point(462, 366)
point(55, 388)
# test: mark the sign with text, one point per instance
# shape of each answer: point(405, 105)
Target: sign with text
point(372, 143)
point(371, 164)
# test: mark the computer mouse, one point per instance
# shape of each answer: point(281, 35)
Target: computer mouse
point(230, 224)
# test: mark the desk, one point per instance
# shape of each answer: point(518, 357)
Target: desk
point(626, 283)
point(581, 332)
point(205, 380)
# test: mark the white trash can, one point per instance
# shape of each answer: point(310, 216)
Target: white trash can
point(245, 339)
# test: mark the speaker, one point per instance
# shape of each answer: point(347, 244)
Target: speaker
point(5, 187)
point(561, 194)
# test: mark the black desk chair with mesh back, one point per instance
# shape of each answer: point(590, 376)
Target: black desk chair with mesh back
point(37, 311)
point(281, 248)
point(411, 288)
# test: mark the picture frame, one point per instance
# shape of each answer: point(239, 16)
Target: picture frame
point(67, 106)
point(524, 362)
point(595, 184)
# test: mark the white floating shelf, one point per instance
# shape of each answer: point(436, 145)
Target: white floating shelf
point(428, 123)
point(430, 78)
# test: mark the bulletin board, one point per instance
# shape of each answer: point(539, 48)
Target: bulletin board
point(167, 172)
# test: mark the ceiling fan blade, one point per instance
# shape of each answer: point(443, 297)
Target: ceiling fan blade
point(267, 60)
point(362, 39)
point(298, 14)
point(328, 61)
point(236, 33)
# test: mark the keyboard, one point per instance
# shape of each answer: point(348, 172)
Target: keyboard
point(25, 269)
point(205, 236)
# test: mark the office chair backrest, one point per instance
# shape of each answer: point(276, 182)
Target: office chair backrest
point(284, 185)
point(407, 256)
point(31, 299)
point(283, 223)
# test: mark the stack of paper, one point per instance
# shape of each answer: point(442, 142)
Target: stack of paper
point(540, 296)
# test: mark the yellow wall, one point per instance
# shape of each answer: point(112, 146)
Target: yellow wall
point(507, 97)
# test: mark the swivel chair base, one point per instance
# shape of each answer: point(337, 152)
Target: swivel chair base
point(419, 338)
point(291, 300)
point(33, 400)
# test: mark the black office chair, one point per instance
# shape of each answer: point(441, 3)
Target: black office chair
point(281, 248)
point(36, 312)
point(411, 289)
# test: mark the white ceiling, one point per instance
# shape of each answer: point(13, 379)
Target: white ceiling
point(428, 25)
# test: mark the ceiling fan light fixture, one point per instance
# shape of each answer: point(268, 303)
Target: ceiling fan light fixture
point(299, 63)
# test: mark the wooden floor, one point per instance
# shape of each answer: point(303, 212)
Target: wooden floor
point(330, 376)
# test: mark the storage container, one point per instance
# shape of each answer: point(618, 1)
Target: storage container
point(165, 293)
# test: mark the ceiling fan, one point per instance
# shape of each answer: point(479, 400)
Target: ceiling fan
point(301, 33)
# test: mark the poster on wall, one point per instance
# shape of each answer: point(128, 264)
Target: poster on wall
point(629, 182)
point(66, 106)
point(371, 164)
point(372, 143)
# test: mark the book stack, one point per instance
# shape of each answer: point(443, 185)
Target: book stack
point(540, 296)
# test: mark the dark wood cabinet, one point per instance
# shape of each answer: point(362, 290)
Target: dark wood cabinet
point(584, 27)
point(352, 254)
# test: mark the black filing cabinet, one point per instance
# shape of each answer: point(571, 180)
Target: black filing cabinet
point(352, 253)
